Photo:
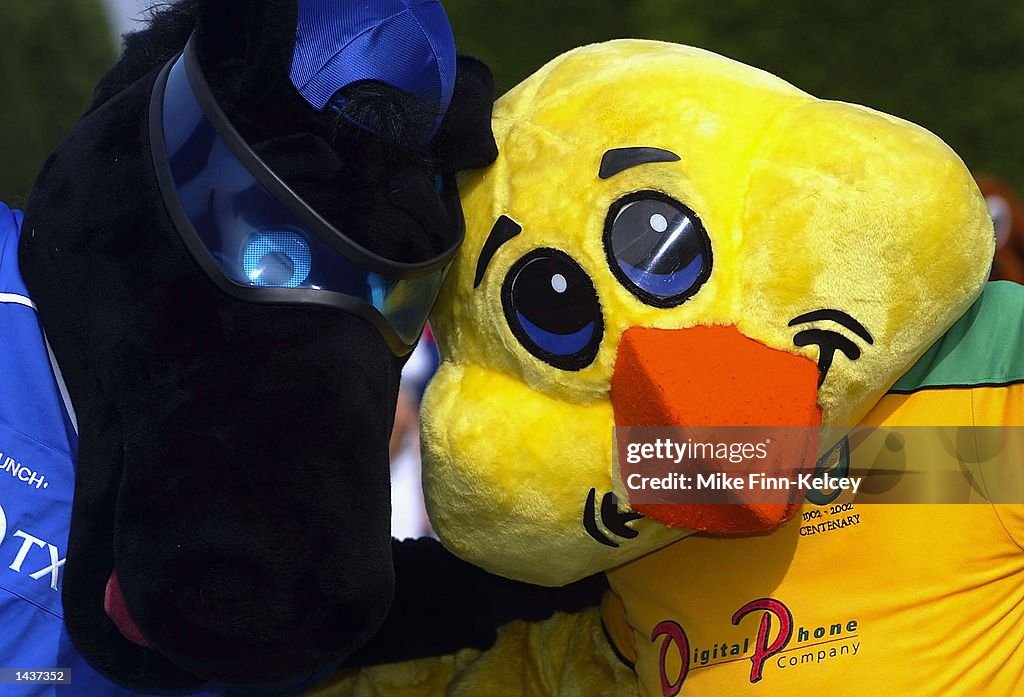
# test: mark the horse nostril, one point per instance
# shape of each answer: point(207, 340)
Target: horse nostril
point(829, 341)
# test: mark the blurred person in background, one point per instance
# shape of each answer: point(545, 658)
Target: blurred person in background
point(408, 511)
point(1007, 212)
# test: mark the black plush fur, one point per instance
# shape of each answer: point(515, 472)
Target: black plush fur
point(443, 604)
point(233, 456)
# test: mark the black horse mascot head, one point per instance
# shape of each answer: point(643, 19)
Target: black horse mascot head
point(231, 254)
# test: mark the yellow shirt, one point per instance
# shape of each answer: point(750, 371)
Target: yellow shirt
point(857, 597)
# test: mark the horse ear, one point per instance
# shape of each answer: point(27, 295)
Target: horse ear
point(465, 139)
point(147, 49)
point(258, 35)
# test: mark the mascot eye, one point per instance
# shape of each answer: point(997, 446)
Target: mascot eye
point(276, 258)
point(657, 248)
point(552, 308)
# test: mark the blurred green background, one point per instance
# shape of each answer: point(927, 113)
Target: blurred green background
point(955, 67)
point(52, 54)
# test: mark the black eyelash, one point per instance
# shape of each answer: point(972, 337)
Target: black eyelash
point(837, 316)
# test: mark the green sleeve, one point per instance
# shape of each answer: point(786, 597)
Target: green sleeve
point(985, 348)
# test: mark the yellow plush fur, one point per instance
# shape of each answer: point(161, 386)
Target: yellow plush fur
point(528, 659)
point(808, 204)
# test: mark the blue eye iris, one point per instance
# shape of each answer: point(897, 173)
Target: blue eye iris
point(276, 259)
point(553, 310)
point(658, 248)
point(558, 344)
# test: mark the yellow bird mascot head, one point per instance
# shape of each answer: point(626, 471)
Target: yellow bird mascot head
point(669, 238)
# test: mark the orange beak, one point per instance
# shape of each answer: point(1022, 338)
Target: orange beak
point(715, 377)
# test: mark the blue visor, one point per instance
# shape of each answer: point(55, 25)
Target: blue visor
point(257, 239)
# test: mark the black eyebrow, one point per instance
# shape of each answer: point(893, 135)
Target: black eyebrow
point(839, 317)
point(504, 229)
point(618, 159)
